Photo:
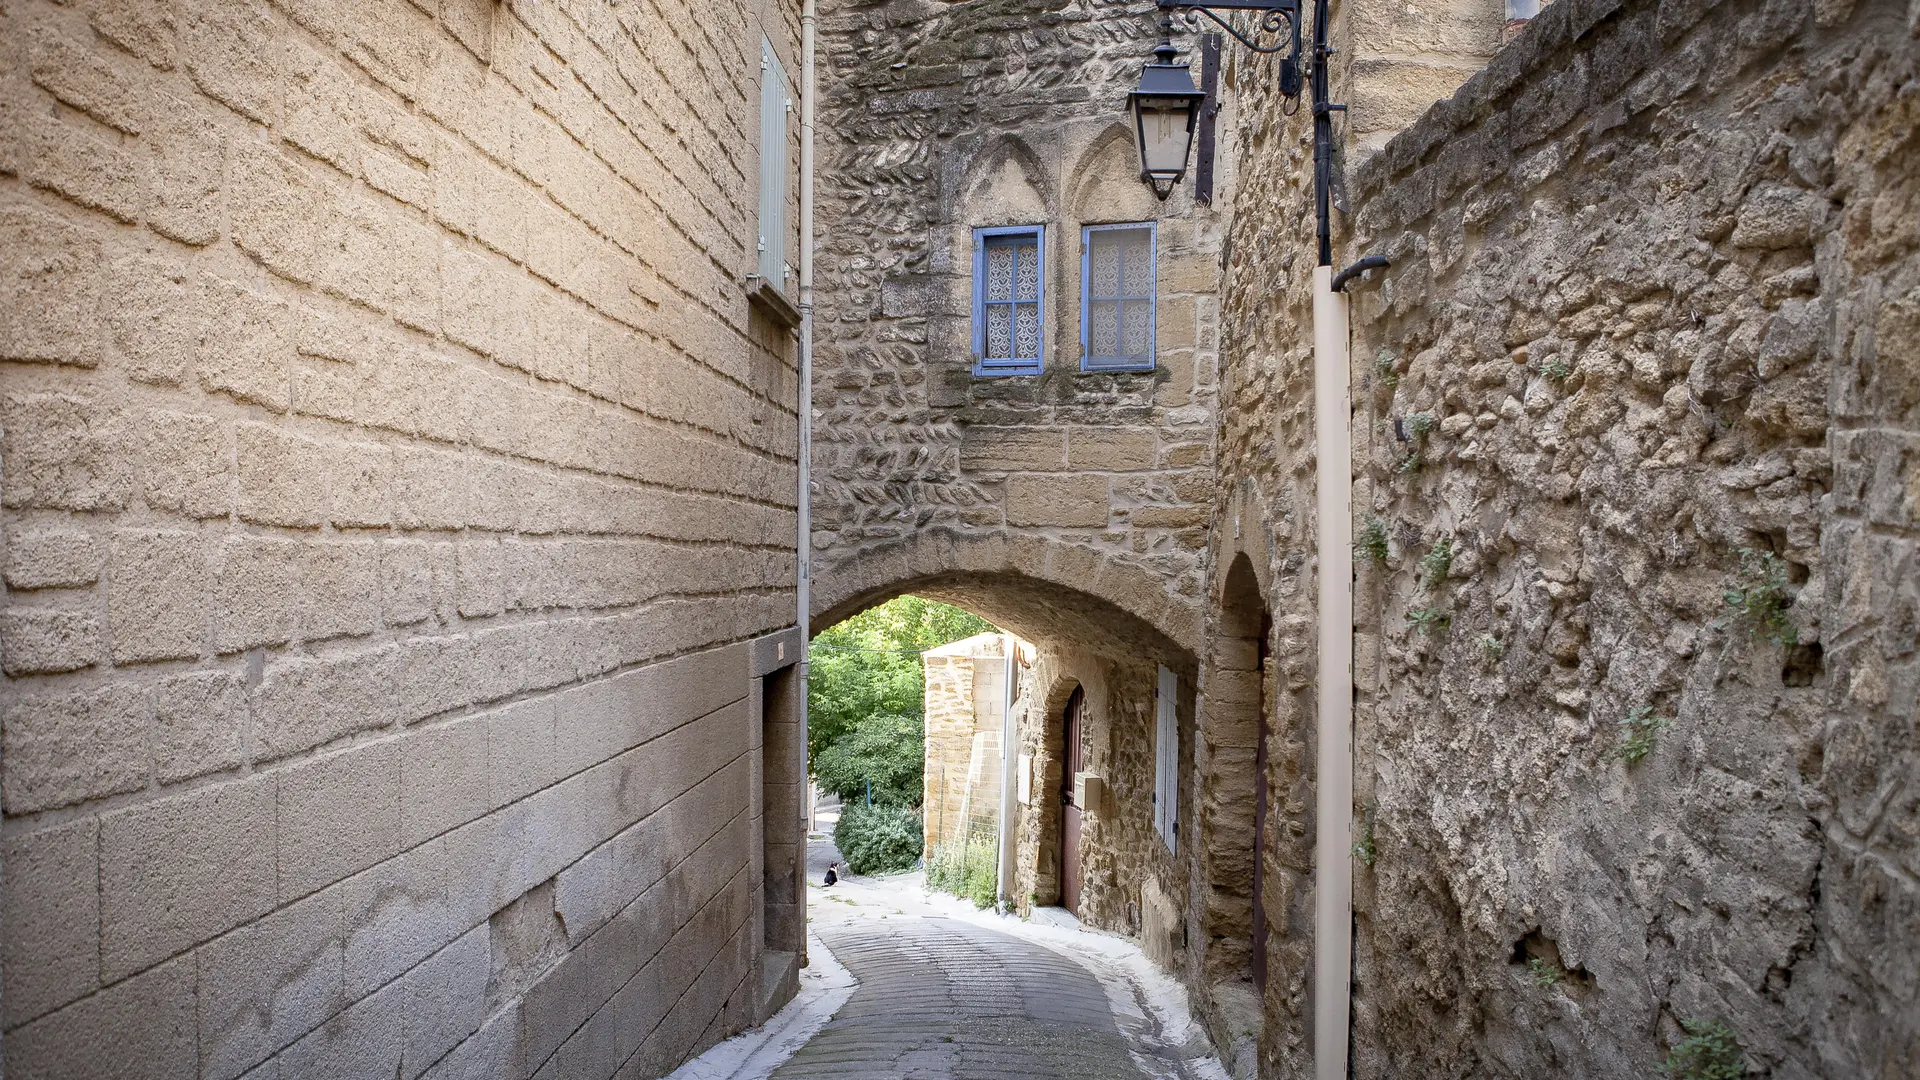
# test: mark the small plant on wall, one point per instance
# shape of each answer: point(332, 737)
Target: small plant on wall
point(1709, 1052)
point(1437, 562)
point(1430, 619)
point(1372, 541)
point(1545, 973)
point(1383, 370)
point(1491, 648)
point(1364, 848)
point(1639, 732)
point(1758, 599)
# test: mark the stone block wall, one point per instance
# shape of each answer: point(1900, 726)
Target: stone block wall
point(1122, 858)
point(935, 122)
point(1649, 307)
point(393, 480)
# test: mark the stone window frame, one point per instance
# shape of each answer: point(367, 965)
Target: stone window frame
point(1020, 365)
point(1089, 362)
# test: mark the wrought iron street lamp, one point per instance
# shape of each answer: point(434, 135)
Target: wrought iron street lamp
point(1164, 109)
point(1170, 132)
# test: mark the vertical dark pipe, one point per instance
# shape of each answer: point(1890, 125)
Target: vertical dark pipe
point(1322, 134)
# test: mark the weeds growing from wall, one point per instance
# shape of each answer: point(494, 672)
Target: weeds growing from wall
point(1709, 1052)
point(1437, 562)
point(1383, 370)
point(1758, 598)
point(1544, 973)
point(1556, 369)
point(1639, 732)
point(1491, 648)
point(1429, 619)
point(1372, 541)
point(1364, 848)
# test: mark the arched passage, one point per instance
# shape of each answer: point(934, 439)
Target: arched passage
point(1043, 589)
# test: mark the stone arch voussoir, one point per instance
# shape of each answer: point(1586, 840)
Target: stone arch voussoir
point(1039, 587)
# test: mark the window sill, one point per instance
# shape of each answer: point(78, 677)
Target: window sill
point(1103, 369)
point(772, 302)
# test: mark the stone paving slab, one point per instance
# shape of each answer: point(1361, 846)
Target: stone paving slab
point(944, 1000)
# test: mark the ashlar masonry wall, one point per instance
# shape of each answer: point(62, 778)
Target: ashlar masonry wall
point(1009, 113)
point(398, 500)
point(1651, 304)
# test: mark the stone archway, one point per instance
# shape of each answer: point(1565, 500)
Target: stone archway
point(1037, 586)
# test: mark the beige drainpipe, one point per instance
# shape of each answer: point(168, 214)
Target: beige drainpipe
point(1333, 836)
point(803, 542)
point(1007, 751)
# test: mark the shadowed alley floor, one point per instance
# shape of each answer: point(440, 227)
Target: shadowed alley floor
point(940, 998)
point(923, 986)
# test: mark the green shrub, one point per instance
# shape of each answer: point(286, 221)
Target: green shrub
point(876, 839)
point(888, 750)
point(1429, 619)
point(1544, 973)
point(966, 868)
point(1709, 1052)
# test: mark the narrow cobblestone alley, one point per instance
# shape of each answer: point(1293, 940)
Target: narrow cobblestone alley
point(947, 993)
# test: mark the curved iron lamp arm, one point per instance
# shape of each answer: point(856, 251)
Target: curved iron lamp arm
point(1272, 21)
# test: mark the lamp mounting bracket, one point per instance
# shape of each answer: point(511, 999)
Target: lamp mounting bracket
point(1278, 17)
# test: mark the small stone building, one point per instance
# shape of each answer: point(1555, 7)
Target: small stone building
point(967, 699)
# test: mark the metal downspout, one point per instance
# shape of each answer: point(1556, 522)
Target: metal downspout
point(1007, 751)
point(803, 552)
point(1333, 483)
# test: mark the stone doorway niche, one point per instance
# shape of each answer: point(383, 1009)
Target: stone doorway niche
point(1233, 729)
point(783, 806)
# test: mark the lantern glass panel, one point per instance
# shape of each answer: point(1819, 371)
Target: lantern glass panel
point(1164, 130)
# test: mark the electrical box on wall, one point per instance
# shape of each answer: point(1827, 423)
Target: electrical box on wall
point(1023, 781)
point(1088, 792)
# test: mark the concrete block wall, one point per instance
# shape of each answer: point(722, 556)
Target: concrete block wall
point(394, 475)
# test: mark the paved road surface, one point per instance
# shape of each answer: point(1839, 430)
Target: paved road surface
point(942, 998)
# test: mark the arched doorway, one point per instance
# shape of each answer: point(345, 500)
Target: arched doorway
point(1072, 722)
point(1233, 746)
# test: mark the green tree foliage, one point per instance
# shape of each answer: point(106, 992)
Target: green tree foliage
point(869, 665)
point(888, 750)
point(875, 839)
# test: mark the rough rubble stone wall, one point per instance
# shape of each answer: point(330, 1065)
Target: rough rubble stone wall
point(1652, 302)
point(383, 417)
point(1120, 853)
point(937, 119)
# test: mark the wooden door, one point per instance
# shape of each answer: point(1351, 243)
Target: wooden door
point(1069, 813)
point(1261, 798)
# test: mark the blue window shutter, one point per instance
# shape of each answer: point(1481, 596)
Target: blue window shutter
point(979, 294)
